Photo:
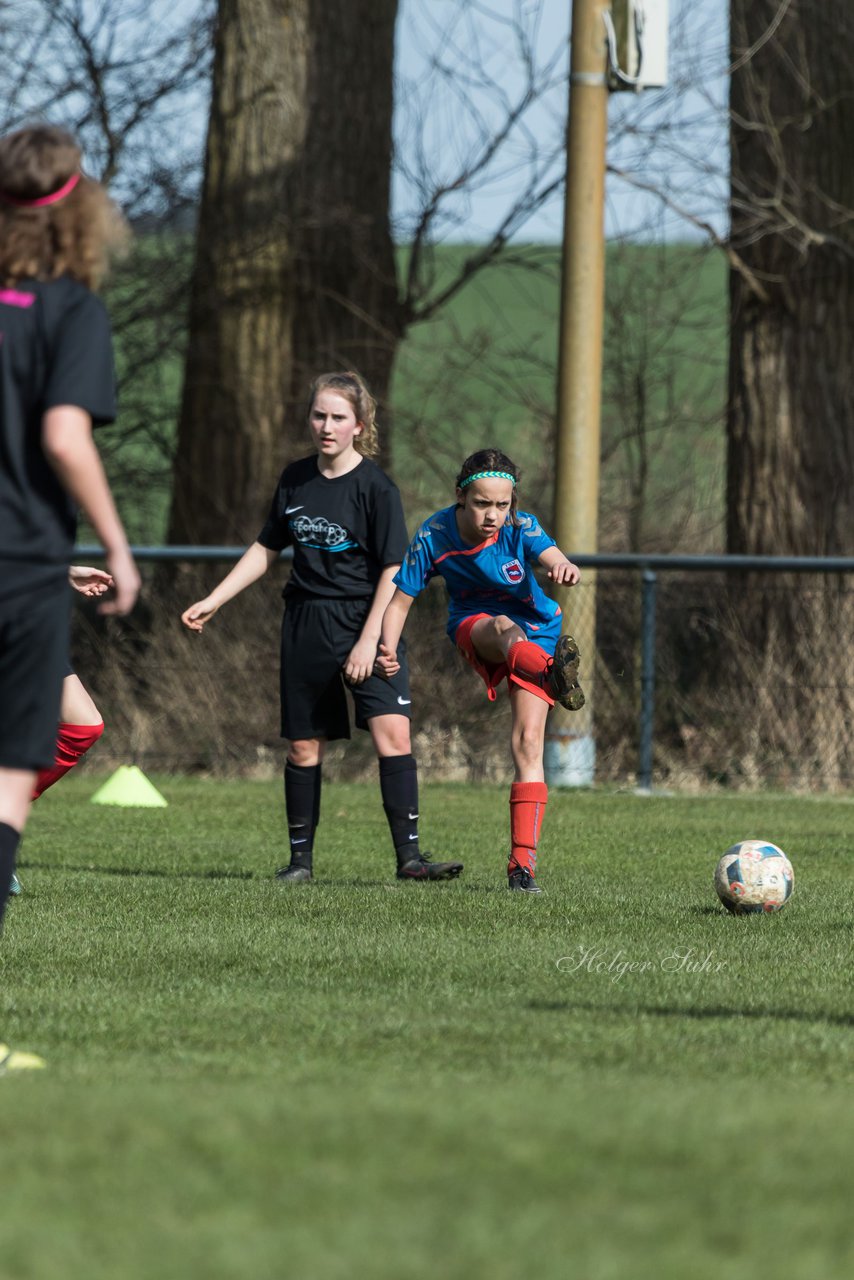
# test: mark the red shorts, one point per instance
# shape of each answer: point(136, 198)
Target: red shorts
point(492, 673)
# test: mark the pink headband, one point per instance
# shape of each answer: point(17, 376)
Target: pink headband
point(40, 201)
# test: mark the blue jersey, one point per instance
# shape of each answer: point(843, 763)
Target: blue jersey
point(493, 577)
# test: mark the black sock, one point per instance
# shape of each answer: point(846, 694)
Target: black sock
point(399, 787)
point(302, 805)
point(9, 841)
point(315, 812)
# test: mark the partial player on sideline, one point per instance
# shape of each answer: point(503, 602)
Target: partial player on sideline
point(501, 620)
point(57, 227)
point(344, 518)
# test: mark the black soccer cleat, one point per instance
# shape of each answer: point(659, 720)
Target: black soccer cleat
point(421, 868)
point(294, 874)
point(563, 675)
point(522, 881)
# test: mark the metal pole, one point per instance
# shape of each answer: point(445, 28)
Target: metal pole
point(647, 701)
point(570, 745)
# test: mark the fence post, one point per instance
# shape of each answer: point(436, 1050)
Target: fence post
point(647, 700)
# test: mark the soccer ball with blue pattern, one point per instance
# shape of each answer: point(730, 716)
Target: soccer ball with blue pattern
point(754, 877)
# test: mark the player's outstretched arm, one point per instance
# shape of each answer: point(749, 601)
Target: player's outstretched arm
point(394, 620)
point(251, 566)
point(561, 570)
point(69, 448)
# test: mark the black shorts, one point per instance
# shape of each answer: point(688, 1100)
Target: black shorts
point(317, 636)
point(33, 664)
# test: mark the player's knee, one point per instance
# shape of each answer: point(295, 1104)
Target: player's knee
point(305, 752)
point(398, 744)
point(392, 738)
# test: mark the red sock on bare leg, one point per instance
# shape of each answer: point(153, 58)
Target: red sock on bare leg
point(72, 743)
point(527, 806)
point(528, 666)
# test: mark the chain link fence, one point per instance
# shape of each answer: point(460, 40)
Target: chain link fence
point(708, 672)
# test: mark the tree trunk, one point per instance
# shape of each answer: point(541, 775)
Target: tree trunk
point(232, 434)
point(295, 270)
point(348, 314)
point(790, 481)
point(790, 467)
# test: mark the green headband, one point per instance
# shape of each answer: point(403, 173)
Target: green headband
point(488, 475)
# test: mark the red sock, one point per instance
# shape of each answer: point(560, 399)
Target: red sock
point(528, 665)
point(527, 806)
point(72, 743)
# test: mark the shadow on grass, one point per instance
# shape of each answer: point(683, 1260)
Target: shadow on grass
point(676, 1011)
point(33, 864)
point(213, 873)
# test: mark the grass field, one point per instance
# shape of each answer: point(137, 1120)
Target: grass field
point(362, 1078)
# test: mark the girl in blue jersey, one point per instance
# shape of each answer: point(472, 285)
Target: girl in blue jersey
point(501, 620)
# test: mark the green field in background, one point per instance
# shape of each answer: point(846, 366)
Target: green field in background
point(482, 371)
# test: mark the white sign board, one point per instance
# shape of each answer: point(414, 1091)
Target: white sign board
point(638, 50)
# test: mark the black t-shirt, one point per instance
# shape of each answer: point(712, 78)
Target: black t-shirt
point(55, 349)
point(344, 531)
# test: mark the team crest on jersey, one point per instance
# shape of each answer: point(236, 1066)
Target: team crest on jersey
point(512, 572)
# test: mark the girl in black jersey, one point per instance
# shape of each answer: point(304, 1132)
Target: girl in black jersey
point(343, 517)
point(56, 383)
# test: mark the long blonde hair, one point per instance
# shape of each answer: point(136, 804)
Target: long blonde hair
point(74, 234)
point(352, 387)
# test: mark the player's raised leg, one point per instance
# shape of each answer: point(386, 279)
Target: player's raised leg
point(563, 675)
point(80, 727)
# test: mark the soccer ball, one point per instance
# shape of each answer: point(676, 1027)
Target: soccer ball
point(754, 877)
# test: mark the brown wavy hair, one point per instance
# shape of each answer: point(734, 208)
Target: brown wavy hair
point(78, 235)
point(352, 387)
